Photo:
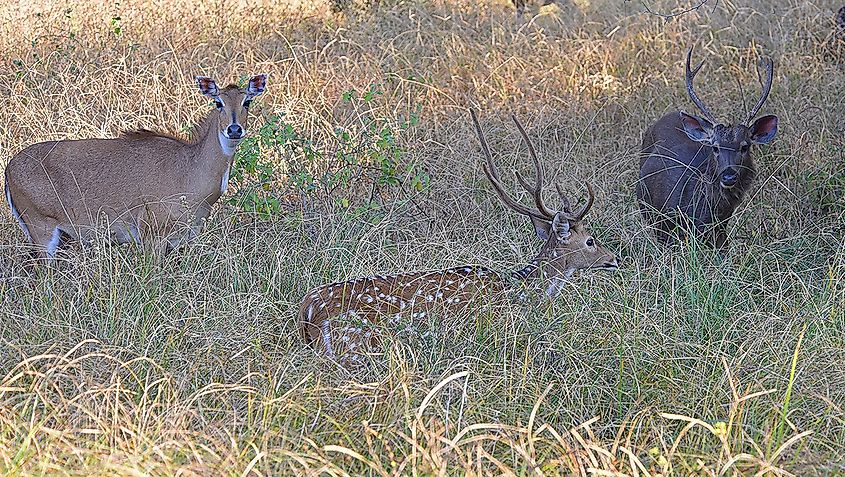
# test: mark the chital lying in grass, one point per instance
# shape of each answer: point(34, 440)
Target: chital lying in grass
point(346, 309)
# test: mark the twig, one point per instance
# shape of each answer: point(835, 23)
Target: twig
point(669, 16)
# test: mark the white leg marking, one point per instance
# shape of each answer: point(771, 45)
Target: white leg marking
point(53, 244)
point(310, 313)
point(325, 328)
point(15, 212)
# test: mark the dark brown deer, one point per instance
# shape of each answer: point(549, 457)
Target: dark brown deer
point(695, 171)
point(840, 22)
point(345, 311)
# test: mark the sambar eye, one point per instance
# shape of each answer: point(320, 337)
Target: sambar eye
point(218, 104)
point(590, 242)
point(247, 103)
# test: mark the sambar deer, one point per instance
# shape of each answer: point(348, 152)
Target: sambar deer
point(145, 185)
point(695, 171)
point(355, 305)
point(839, 19)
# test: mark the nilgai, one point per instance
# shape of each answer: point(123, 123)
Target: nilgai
point(695, 171)
point(349, 309)
point(145, 187)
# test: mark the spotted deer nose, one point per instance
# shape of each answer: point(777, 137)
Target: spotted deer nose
point(234, 131)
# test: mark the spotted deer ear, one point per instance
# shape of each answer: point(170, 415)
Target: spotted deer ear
point(560, 226)
point(256, 86)
point(542, 227)
point(208, 87)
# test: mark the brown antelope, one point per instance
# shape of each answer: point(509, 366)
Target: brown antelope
point(144, 184)
point(695, 171)
point(356, 304)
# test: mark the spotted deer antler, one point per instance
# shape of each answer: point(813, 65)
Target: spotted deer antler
point(542, 211)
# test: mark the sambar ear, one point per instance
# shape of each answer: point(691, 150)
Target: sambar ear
point(697, 129)
point(764, 129)
point(208, 87)
point(256, 85)
point(542, 227)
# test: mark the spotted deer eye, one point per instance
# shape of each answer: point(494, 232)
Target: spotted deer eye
point(590, 242)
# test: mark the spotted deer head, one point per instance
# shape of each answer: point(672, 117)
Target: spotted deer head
point(568, 244)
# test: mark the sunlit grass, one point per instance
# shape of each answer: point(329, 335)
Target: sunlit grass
point(685, 362)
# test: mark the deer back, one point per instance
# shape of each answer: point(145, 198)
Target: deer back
point(354, 305)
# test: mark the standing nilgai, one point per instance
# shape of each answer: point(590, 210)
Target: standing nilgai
point(696, 171)
point(149, 187)
point(354, 305)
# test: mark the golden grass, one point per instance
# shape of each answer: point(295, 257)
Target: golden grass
point(683, 363)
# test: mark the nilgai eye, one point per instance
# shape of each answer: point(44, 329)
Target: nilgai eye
point(590, 242)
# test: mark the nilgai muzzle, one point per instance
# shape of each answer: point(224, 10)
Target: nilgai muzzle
point(143, 187)
point(695, 171)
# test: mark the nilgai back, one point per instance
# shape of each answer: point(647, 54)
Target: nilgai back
point(145, 187)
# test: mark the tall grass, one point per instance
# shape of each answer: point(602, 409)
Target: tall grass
point(685, 362)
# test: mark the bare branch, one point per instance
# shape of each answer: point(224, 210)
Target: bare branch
point(670, 16)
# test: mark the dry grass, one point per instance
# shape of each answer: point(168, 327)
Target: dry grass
point(683, 363)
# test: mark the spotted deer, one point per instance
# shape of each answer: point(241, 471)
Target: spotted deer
point(695, 171)
point(347, 309)
point(142, 185)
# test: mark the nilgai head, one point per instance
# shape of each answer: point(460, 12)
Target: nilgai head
point(569, 246)
point(731, 144)
point(232, 105)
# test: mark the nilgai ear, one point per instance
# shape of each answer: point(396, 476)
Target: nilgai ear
point(764, 129)
point(208, 87)
point(542, 227)
point(560, 226)
point(256, 85)
point(697, 129)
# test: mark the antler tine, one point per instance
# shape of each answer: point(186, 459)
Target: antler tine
point(767, 87)
point(493, 175)
point(690, 75)
point(537, 190)
point(567, 207)
point(583, 211)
